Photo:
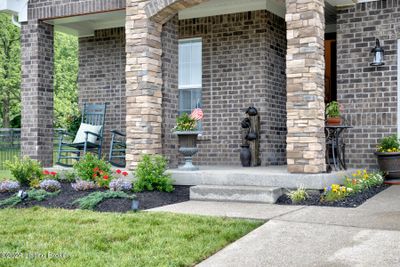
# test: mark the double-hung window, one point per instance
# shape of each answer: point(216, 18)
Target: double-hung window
point(190, 74)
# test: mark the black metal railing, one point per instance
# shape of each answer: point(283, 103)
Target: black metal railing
point(10, 144)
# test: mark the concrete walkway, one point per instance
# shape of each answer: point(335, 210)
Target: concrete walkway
point(309, 236)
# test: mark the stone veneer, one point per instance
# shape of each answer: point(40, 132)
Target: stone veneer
point(243, 65)
point(305, 86)
point(101, 79)
point(369, 94)
point(144, 75)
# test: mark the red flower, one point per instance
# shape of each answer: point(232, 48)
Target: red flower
point(94, 175)
point(53, 173)
point(125, 174)
point(119, 171)
point(105, 177)
point(96, 169)
point(46, 172)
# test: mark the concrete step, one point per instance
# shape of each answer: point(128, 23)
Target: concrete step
point(236, 193)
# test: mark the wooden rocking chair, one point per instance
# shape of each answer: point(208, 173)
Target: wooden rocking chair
point(117, 149)
point(88, 138)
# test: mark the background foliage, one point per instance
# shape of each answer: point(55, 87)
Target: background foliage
point(66, 67)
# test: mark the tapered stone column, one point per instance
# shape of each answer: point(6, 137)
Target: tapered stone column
point(305, 70)
point(143, 83)
point(37, 91)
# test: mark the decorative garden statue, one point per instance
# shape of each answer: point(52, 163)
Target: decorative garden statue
point(250, 152)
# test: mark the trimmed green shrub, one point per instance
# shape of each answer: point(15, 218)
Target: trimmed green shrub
point(26, 171)
point(150, 174)
point(90, 168)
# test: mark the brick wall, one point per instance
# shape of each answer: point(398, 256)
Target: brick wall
point(369, 94)
point(42, 9)
point(102, 76)
point(37, 91)
point(243, 65)
point(169, 41)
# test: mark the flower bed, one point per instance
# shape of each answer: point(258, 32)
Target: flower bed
point(354, 191)
point(92, 184)
point(68, 195)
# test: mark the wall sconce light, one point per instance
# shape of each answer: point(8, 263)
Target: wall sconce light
point(378, 55)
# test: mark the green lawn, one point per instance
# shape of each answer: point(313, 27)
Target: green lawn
point(86, 238)
point(5, 175)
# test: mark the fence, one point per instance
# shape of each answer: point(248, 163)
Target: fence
point(10, 144)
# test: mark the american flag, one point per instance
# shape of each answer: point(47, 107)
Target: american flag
point(197, 114)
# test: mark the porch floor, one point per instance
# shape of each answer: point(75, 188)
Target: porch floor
point(273, 176)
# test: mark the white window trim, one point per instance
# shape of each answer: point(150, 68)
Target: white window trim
point(194, 86)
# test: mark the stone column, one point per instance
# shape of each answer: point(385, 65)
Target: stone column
point(37, 91)
point(143, 83)
point(305, 68)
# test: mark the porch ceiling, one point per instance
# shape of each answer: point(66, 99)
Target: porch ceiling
point(219, 7)
point(85, 25)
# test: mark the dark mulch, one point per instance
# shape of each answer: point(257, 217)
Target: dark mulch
point(147, 200)
point(351, 201)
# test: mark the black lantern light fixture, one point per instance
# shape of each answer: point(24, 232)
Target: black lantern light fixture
point(378, 54)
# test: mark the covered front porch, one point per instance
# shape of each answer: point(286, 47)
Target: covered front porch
point(268, 54)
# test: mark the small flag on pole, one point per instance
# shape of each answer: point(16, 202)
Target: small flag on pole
point(197, 114)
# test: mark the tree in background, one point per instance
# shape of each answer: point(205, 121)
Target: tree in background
point(10, 73)
point(66, 66)
point(66, 111)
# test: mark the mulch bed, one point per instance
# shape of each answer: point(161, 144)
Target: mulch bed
point(351, 201)
point(147, 200)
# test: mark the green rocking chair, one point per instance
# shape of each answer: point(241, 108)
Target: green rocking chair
point(89, 137)
point(117, 149)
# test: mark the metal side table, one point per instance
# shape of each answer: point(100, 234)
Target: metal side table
point(336, 147)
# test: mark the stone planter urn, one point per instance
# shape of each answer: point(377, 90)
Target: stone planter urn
point(188, 148)
point(389, 163)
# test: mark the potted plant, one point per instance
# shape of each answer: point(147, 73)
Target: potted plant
point(187, 131)
point(333, 112)
point(388, 154)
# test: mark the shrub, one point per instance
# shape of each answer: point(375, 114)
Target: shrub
point(67, 177)
point(92, 200)
point(150, 174)
point(90, 168)
point(50, 185)
point(81, 185)
point(389, 144)
point(26, 171)
point(298, 195)
point(9, 186)
point(121, 184)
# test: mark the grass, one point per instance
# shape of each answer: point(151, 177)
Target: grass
point(86, 238)
point(4, 174)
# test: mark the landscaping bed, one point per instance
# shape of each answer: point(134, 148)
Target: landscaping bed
point(351, 201)
point(68, 195)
